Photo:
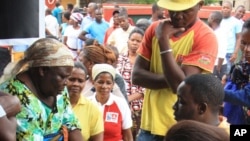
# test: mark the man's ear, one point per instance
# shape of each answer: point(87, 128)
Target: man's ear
point(202, 108)
point(201, 3)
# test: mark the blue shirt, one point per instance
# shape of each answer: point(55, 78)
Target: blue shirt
point(57, 12)
point(97, 30)
point(232, 26)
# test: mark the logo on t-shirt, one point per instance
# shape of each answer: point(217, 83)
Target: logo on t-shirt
point(111, 117)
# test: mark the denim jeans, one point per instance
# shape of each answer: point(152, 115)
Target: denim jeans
point(222, 72)
point(229, 64)
point(147, 136)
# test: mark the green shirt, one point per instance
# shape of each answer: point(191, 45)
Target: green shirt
point(36, 119)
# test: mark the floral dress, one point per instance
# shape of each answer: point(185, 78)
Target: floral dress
point(36, 119)
point(125, 68)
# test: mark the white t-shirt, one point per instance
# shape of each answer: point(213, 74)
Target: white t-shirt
point(222, 45)
point(52, 25)
point(72, 36)
point(119, 39)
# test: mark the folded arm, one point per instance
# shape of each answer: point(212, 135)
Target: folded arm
point(142, 76)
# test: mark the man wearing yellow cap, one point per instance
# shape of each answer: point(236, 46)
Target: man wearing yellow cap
point(171, 50)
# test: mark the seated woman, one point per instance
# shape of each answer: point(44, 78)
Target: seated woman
point(116, 112)
point(71, 34)
point(190, 130)
point(39, 81)
point(90, 117)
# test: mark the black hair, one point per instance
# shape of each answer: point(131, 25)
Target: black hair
point(66, 15)
point(247, 24)
point(70, 6)
point(76, 10)
point(52, 37)
point(89, 42)
point(229, 2)
point(58, 4)
point(191, 130)
point(155, 7)
point(93, 4)
point(79, 65)
point(143, 24)
point(217, 16)
point(123, 12)
point(239, 6)
point(115, 12)
point(48, 11)
point(206, 88)
point(136, 30)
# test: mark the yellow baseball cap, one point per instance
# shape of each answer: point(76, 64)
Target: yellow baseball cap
point(177, 5)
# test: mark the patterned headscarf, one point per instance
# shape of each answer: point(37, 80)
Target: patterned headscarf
point(45, 52)
point(77, 17)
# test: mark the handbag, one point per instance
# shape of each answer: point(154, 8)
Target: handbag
point(61, 135)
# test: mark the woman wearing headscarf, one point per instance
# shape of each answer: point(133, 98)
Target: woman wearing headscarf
point(71, 34)
point(90, 117)
point(97, 54)
point(39, 80)
point(116, 112)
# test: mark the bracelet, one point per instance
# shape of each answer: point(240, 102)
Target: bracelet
point(2, 112)
point(166, 51)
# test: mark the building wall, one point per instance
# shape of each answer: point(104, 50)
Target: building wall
point(246, 3)
point(236, 3)
point(65, 2)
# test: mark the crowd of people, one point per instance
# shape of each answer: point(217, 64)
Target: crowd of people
point(168, 78)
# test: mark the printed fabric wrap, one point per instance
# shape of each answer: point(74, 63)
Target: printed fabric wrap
point(62, 135)
point(237, 80)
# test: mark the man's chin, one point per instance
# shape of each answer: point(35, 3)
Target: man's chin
point(179, 26)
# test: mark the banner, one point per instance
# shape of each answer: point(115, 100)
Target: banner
point(22, 21)
point(50, 3)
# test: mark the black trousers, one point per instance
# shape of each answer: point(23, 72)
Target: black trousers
point(5, 58)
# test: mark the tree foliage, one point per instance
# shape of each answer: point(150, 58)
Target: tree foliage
point(143, 1)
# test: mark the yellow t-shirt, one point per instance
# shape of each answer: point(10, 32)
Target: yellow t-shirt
point(89, 116)
point(224, 124)
point(196, 47)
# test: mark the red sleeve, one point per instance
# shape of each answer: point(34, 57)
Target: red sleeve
point(145, 49)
